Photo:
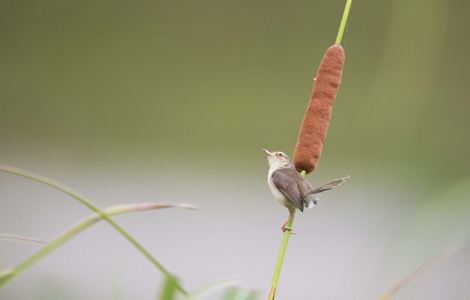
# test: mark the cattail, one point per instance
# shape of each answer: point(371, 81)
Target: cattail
point(317, 117)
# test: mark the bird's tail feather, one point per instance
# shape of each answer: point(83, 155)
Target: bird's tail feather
point(328, 186)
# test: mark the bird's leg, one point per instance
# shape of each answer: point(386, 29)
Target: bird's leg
point(284, 226)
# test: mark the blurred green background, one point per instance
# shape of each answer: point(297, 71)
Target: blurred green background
point(187, 92)
point(223, 78)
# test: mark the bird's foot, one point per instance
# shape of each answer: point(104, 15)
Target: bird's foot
point(285, 228)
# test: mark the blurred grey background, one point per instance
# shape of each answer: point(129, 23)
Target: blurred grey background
point(171, 101)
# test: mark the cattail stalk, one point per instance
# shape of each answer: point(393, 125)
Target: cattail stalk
point(315, 125)
point(317, 117)
point(280, 258)
point(344, 20)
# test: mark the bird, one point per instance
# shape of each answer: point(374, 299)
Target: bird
point(290, 188)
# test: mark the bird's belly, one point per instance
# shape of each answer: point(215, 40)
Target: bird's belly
point(278, 195)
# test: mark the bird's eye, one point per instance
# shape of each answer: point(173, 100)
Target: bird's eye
point(280, 155)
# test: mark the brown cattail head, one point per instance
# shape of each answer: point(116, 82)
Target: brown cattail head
point(317, 117)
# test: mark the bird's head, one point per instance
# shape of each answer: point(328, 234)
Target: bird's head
point(277, 159)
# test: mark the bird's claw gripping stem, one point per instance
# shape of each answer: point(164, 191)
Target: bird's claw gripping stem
point(284, 228)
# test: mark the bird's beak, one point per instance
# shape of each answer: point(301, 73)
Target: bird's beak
point(268, 153)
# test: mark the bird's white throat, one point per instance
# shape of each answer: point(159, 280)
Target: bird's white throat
point(275, 164)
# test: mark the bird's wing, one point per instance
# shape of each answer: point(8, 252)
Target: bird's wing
point(304, 186)
point(328, 186)
point(286, 182)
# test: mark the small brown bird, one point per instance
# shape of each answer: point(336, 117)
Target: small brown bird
point(292, 189)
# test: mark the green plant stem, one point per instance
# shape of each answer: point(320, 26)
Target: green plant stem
point(280, 258)
point(9, 274)
point(86, 202)
point(282, 253)
point(344, 20)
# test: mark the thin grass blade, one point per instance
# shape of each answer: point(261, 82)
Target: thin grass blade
point(51, 246)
